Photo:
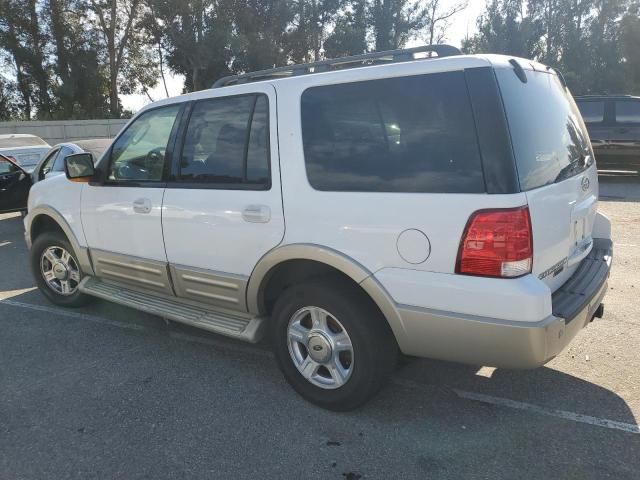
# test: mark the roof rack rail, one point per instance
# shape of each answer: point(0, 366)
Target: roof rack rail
point(355, 61)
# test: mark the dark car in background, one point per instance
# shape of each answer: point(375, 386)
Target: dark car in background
point(15, 183)
point(16, 180)
point(613, 122)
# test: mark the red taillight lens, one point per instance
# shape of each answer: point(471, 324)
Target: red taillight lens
point(497, 243)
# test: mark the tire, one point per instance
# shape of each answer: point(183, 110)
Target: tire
point(364, 369)
point(58, 242)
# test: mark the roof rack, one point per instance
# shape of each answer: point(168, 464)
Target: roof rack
point(355, 61)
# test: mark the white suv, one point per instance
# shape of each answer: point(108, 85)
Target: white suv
point(442, 207)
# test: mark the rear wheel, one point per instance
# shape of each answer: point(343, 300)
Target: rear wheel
point(332, 344)
point(56, 270)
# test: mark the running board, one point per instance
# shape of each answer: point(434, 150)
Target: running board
point(236, 325)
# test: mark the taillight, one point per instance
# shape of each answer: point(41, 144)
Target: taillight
point(497, 243)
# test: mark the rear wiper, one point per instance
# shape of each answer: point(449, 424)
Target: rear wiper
point(568, 171)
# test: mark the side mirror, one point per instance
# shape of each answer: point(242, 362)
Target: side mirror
point(79, 167)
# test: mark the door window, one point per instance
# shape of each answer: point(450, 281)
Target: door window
point(7, 167)
point(47, 165)
point(138, 155)
point(628, 112)
point(226, 143)
point(592, 112)
point(58, 163)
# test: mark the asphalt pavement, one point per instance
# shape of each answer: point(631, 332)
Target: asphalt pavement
point(109, 392)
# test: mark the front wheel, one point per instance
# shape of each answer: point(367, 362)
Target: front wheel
point(332, 344)
point(56, 270)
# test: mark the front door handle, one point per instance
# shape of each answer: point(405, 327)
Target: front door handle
point(142, 205)
point(256, 214)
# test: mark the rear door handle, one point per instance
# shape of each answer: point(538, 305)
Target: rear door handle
point(256, 214)
point(142, 205)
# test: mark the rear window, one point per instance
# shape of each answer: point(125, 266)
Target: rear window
point(592, 112)
point(549, 138)
point(409, 134)
point(628, 112)
point(15, 142)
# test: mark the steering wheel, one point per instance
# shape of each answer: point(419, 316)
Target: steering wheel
point(155, 156)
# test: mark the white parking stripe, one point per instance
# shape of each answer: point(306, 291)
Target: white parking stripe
point(503, 402)
point(528, 407)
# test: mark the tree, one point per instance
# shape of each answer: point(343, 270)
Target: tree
point(394, 21)
point(260, 39)
point(9, 106)
point(349, 37)
point(594, 43)
point(438, 18)
point(630, 40)
point(197, 38)
point(23, 43)
point(310, 22)
point(80, 83)
point(124, 49)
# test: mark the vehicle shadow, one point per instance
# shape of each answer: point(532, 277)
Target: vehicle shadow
point(545, 387)
point(16, 275)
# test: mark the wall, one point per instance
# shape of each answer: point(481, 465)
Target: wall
point(65, 130)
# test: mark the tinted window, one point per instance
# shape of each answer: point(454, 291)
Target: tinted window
point(47, 165)
point(410, 134)
point(139, 153)
point(549, 138)
point(628, 112)
point(592, 112)
point(58, 165)
point(6, 166)
point(226, 142)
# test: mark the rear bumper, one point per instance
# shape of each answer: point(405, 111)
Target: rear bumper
point(512, 344)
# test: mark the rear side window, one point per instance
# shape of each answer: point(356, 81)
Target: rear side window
point(226, 142)
point(409, 134)
point(592, 112)
point(628, 112)
point(550, 140)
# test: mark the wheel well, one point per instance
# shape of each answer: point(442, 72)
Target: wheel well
point(292, 272)
point(44, 223)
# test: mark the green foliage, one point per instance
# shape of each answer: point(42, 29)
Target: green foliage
point(594, 43)
point(74, 58)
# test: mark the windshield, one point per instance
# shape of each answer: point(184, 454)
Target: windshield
point(95, 147)
point(549, 138)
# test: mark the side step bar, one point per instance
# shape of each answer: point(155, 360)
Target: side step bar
point(236, 325)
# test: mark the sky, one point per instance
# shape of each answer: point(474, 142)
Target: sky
point(463, 24)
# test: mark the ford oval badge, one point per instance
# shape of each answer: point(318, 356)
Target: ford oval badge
point(585, 184)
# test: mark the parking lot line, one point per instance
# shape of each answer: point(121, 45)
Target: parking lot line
point(499, 401)
point(528, 407)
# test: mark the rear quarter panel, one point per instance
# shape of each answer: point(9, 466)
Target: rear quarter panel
point(366, 226)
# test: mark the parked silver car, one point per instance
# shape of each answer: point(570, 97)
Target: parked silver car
point(52, 162)
point(26, 149)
